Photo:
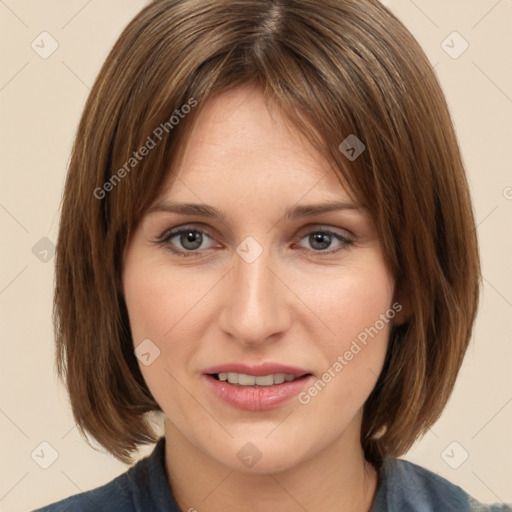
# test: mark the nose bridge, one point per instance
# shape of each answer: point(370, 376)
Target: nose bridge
point(254, 308)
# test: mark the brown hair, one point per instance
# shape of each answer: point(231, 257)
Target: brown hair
point(335, 68)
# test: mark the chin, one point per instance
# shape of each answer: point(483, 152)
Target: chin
point(261, 456)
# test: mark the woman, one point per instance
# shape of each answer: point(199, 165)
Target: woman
point(267, 236)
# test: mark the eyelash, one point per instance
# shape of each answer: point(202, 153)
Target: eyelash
point(167, 236)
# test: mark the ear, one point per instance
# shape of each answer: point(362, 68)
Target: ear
point(402, 303)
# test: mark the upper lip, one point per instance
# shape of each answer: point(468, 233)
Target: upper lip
point(257, 370)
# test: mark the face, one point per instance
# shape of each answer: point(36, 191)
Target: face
point(304, 297)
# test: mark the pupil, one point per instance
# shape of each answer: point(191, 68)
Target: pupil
point(192, 237)
point(321, 238)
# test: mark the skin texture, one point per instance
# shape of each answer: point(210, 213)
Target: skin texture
point(294, 304)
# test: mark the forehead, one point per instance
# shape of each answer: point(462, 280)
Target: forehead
point(241, 147)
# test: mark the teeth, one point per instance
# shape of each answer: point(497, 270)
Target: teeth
point(250, 380)
point(244, 380)
point(264, 380)
point(279, 378)
point(233, 378)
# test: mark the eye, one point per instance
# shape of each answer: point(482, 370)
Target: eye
point(187, 241)
point(190, 239)
point(320, 240)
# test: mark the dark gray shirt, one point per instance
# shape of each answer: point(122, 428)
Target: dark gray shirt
point(403, 487)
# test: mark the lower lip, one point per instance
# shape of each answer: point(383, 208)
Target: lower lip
point(256, 399)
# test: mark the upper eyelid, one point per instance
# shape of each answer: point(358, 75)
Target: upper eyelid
point(205, 229)
point(172, 232)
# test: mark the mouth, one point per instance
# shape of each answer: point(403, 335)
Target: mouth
point(256, 387)
point(260, 381)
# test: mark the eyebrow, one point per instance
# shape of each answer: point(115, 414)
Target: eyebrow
point(294, 212)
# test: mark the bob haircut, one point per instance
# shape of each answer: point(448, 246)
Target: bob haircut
point(335, 68)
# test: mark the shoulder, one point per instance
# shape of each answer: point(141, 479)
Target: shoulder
point(143, 487)
point(408, 487)
point(115, 495)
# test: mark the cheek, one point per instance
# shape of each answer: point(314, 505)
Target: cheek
point(157, 298)
point(357, 309)
point(352, 303)
point(172, 308)
point(160, 303)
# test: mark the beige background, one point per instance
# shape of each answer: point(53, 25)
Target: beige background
point(41, 101)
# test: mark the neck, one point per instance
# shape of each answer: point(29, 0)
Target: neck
point(337, 479)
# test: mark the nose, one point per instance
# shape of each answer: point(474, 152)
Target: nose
point(256, 308)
